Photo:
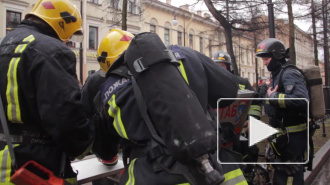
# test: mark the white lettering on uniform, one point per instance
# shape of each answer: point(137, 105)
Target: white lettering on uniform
point(114, 86)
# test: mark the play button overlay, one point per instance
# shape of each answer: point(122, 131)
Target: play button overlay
point(259, 131)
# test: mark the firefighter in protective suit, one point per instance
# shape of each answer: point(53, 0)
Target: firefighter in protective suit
point(289, 116)
point(122, 119)
point(249, 154)
point(90, 96)
point(40, 91)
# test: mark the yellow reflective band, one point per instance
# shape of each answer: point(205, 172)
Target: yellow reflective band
point(13, 107)
point(259, 50)
point(233, 174)
point(72, 180)
point(235, 177)
point(296, 128)
point(131, 179)
point(267, 101)
point(5, 165)
point(241, 86)
point(115, 112)
point(289, 181)
point(184, 184)
point(255, 110)
point(183, 72)
point(273, 146)
point(5, 169)
point(281, 101)
point(221, 58)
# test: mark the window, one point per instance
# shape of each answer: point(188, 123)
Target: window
point(191, 41)
point(152, 28)
point(93, 37)
point(132, 6)
point(179, 38)
point(201, 45)
point(167, 36)
point(13, 20)
point(93, 1)
point(114, 4)
point(242, 74)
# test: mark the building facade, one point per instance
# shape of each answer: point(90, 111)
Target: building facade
point(191, 29)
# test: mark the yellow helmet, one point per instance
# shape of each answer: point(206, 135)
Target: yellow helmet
point(63, 16)
point(111, 47)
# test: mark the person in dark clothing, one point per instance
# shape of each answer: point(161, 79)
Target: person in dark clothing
point(262, 90)
point(124, 120)
point(249, 154)
point(287, 115)
point(40, 92)
point(89, 91)
point(113, 45)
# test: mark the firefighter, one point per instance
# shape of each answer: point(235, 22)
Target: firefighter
point(124, 119)
point(289, 116)
point(113, 51)
point(40, 92)
point(223, 59)
point(119, 40)
point(249, 154)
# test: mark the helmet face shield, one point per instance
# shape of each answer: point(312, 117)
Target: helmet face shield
point(63, 16)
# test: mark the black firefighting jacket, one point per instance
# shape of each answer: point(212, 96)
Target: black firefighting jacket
point(290, 111)
point(40, 91)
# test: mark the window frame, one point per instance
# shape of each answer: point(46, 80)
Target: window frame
point(201, 44)
point(19, 21)
point(96, 39)
point(191, 40)
point(112, 4)
point(167, 38)
point(132, 6)
point(180, 43)
point(152, 30)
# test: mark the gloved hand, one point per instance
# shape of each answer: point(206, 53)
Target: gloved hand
point(111, 162)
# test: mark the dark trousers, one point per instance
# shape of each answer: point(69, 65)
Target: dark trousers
point(298, 144)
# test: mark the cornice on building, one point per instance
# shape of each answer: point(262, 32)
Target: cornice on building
point(183, 13)
point(16, 2)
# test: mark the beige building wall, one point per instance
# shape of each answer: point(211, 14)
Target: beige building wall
point(198, 26)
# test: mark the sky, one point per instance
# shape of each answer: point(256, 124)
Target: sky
point(304, 25)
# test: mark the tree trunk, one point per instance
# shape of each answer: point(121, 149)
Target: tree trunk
point(228, 32)
point(124, 16)
point(291, 33)
point(316, 59)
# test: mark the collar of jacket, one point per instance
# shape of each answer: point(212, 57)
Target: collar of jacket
point(47, 30)
point(177, 52)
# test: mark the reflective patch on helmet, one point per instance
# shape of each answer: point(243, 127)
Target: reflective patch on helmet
point(221, 58)
point(126, 38)
point(259, 50)
point(48, 5)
